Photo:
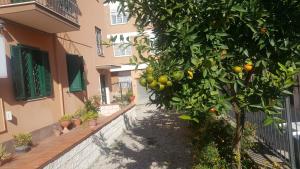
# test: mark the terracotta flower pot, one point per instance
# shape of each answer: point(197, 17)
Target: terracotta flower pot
point(65, 125)
point(132, 98)
point(76, 122)
point(92, 123)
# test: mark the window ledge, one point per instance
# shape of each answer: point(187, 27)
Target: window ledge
point(122, 56)
point(118, 24)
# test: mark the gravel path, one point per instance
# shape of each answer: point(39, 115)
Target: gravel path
point(158, 141)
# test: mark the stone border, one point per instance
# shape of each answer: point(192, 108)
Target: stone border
point(88, 151)
point(79, 148)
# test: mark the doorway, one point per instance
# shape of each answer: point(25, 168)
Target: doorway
point(103, 89)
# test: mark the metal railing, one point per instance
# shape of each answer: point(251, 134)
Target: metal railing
point(121, 92)
point(284, 138)
point(66, 8)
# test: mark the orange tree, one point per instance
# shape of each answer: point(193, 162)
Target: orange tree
point(216, 56)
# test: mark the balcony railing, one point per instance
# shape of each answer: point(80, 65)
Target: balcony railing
point(66, 8)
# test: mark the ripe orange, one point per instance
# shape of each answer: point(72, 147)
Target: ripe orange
point(237, 69)
point(248, 67)
point(213, 110)
point(163, 79)
point(143, 81)
point(149, 70)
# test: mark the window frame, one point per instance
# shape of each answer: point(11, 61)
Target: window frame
point(118, 15)
point(99, 46)
point(119, 44)
point(31, 66)
point(81, 70)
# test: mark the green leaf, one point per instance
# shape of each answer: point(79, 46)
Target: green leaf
point(185, 117)
point(238, 8)
point(268, 121)
point(176, 99)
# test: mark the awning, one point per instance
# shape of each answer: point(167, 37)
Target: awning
point(108, 67)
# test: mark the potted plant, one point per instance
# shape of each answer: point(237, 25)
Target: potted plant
point(91, 118)
point(65, 122)
point(76, 118)
point(5, 157)
point(23, 142)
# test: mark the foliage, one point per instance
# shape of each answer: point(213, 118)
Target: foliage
point(91, 115)
point(23, 139)
point(209, 158)
point(219, 55)
point(92, 104)
point(3, 153)
point(65, 118)
point(210, 140)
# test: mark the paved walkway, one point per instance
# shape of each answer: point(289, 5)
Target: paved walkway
point(158, 141)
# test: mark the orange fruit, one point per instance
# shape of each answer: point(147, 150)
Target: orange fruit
point(213, 110)
point(248, 67)
point(163, 79)
point(161, 87)
point(190, 74)
point(153, 84)
point(237, 69)
point(169, 83)
point(149, 70)
point(143, 81)
point(178, 75)
point(150, 78)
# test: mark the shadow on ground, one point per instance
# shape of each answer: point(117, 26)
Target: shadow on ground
point(158, 141)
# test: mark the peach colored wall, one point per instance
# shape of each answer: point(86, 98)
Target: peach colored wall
point(33, 114)
point(108, 29)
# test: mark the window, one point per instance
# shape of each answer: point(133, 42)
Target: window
point(122, 49)
point(75, 73)
point(116, 16)
point(30, 72)
point(99, 42)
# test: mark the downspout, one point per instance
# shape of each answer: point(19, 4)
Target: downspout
point(60, 88)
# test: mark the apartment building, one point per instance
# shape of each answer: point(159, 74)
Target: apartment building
point(51, 60)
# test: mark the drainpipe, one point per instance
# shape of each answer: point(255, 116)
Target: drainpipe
point(59, 81)
point(2, 111)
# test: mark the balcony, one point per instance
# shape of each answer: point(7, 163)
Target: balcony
point(52, 16)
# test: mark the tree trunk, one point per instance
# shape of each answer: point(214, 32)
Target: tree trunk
point(240, 122)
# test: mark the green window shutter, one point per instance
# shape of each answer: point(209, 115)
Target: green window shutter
point(82, 75)
point(75, 75)
point(17, 72)
point(45, 75)
point(28, 73)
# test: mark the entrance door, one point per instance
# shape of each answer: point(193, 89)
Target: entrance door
point(103, 89)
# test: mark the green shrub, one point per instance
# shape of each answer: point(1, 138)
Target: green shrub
point(89, 116)
point(91, 105)
point(66, 118)
point(209, 157)
point(23, 139)
point(3, 153)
